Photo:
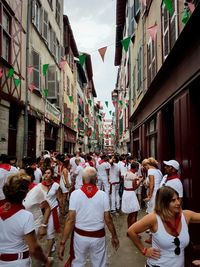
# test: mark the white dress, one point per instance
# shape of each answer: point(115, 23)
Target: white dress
point(129, 199)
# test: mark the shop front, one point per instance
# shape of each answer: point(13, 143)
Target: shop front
point(69, 140)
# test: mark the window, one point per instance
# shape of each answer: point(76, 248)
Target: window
point(37, 15)
point(139, 69)
point(151, 60)
point(68, 86)
point(5, 32)
point(36, 69)
point(136, 9)
point(152, 138)
point(131, 28)
point(52, 82)
point(169, 28)
point(51, 3)
point(45, 25)
point(58, 12)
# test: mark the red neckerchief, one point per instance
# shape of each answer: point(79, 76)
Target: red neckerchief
point(91, 163)
point(101, 161)
point(133, 171)
point(174, 229)
point(31, 185)
point(47, 185)
point(173, 176)
point(9, 209)
point(5, 166)
point(89, 189)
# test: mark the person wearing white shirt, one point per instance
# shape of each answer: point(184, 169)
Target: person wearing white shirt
point(88, 214)
point(103, 168)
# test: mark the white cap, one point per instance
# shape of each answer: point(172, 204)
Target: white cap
point(172, 163)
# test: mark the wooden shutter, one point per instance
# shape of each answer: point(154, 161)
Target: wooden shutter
point(36, 69)
point(45, 25)
point(52, 94)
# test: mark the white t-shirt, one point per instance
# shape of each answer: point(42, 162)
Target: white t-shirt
point(32, 203)
point(89, 211)
point(51, 195)
point(174, 183)
point(3, 177)
point(157, 178)
point(79, 177)
point(38, 176)
point(12, 231)
point(73, 163)
point(123, 169)
point(114, 173)
point(101, 169)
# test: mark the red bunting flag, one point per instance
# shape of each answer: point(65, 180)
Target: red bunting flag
point(114, 103)
point(1, 73)
point(99, 103)
point(30, 70)
point(62, 64)
point(153, 31)
point(102, 52)
point(143, 2)
point(31, 87)
point(191, 7)
point(80, 101)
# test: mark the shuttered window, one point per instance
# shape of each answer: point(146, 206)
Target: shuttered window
point(36, 69)
point(58, 12)
point(5, 33)
point(139, 69)
point(45, 25)
point(169, 28)
point(52, 82)
point(151, 61)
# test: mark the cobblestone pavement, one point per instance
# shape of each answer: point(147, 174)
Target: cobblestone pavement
point(127, 255)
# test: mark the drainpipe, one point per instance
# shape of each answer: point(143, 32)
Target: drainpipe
point(25, 147)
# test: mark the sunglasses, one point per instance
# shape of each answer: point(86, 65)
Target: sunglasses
point(176, 242)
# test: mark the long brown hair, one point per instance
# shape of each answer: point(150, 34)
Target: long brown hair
point(163, 198)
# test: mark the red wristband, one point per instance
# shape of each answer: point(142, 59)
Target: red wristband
point(144, 251)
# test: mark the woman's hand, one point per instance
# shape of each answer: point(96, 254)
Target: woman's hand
point(153, 253)
point(61, 251)
point(42, 231)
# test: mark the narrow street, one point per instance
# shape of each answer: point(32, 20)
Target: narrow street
point(127, 255)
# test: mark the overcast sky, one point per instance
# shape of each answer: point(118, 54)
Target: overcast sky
point(93, 24)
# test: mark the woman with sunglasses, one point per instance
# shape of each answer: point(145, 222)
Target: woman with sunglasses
point(169, 226)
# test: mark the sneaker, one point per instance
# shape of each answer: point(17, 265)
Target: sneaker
point(54, 247)
point(112, 211)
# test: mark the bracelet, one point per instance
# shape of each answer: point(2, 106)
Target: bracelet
point(44, 225)
point(144, 251)
point(62, 243)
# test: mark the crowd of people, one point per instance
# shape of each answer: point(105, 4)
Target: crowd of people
point(86, 190)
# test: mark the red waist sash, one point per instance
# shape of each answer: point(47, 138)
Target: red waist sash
point(98, 233)
point(14, 256)
point(129, 189)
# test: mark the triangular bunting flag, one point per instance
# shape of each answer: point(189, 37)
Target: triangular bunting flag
point(191, 7)
point(102, 52)
point(76, 119)
point(168, 5)
point(126, 105)
point(120, 102)
point(46, 92)
point(70, 98)
point(80, 101)
point(82, 59)
point(30, 70)
point(125, 43)
point(10, 72)
point(62, 64)
point(1, 73)
point(185, 16)
point(114, 103)
point(90, 102)
point(110, 112)
point(153, 31)
point(45, 69)
point(17, 82)
point(106, 103)
point(31, 87)
point(143, 2)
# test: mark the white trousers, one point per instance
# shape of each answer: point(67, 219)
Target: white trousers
point(103, 183)
point(95, 247)
point(115, 199)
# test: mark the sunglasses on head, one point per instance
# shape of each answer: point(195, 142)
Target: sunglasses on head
point(176, 242)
